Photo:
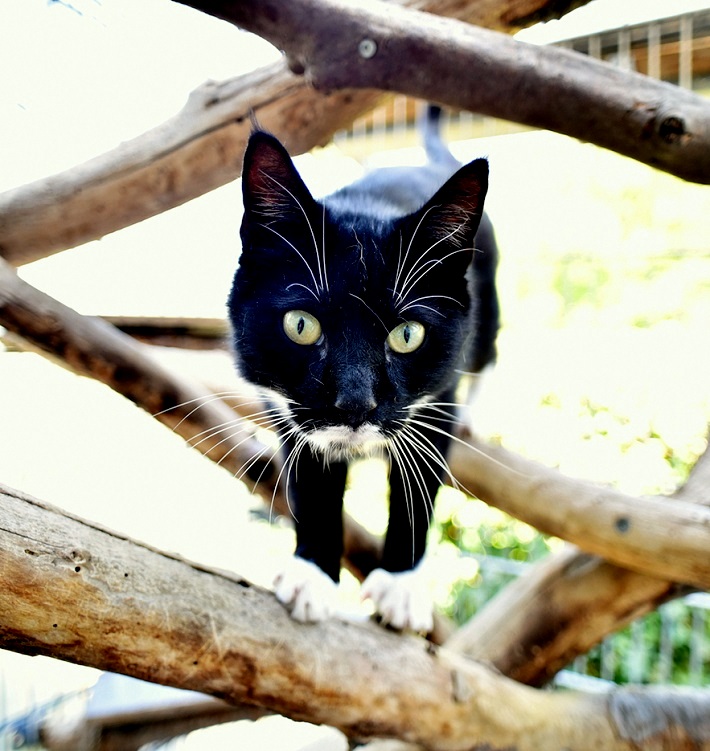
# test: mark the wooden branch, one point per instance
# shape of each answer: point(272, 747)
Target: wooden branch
point(566, 604)
point(650, 535)
point(81, 593)
point(194, 152)
point(183, 333)
point(90, 346)
point(560, 609)
point(201, 147)
point(338, 45)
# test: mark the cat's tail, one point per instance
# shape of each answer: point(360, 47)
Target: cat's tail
point(436, 150)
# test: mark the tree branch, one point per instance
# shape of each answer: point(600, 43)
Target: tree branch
point(81, 593)
point(649, 535)
point(201, 147)
point(566, 604)
point(558, 610)
point(337, 45)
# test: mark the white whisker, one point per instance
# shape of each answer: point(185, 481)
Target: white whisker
point(424, 269)
point(357, 297)
point(301, 256)
point(406, 255)
point(310, 229)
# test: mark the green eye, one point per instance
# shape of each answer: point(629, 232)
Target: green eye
point(302, 327)
point(406, 337)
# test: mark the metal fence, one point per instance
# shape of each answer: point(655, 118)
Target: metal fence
point(671, 645)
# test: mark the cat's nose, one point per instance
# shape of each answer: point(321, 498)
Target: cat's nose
point(355, 395)
point(355, 408)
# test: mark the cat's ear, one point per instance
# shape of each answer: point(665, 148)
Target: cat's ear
point(451, 218)
point(271, 185)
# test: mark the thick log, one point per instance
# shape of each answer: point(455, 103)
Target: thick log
point(338, 45)
point(81, 593)
point(201, 147)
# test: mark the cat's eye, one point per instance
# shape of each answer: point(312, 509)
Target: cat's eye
point(302, 327)
point(406, 337)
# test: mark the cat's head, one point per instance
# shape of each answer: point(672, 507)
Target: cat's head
point(349, 320)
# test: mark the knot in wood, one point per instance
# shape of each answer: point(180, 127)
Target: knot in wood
point(672, 129)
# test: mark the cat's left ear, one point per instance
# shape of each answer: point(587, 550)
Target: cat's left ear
point(271, 185)
point(451, 218)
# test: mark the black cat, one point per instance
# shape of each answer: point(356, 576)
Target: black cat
point(355, 315)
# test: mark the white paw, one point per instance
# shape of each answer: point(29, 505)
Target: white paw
point(310, 594)
point(403, 600)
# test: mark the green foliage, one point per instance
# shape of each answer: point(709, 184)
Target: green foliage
point(671, 645)
point(484, 533)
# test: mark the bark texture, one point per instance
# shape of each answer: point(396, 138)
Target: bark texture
point(81, 593)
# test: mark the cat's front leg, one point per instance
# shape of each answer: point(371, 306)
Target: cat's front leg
point(400, 589)
point(308, 584)
point(404, 599)
point(308, 593)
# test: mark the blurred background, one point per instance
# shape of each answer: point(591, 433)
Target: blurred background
point(604, 281)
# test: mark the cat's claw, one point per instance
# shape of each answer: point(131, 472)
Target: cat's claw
point(402, 599)
point(309, 594)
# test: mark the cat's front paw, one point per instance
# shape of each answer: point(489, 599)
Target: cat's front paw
point(306, 591)
point(403, 599)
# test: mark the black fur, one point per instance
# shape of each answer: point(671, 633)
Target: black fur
point(394, 247)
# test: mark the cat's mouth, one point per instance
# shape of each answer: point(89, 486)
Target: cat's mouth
point(341, 441)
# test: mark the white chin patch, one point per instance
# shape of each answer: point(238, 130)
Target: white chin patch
point(343, 441)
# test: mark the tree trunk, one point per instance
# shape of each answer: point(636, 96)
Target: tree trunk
point(77, 592)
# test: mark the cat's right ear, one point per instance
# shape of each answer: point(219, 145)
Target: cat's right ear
point(271, 185)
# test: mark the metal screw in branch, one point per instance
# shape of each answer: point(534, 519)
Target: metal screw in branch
point(367, 48)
